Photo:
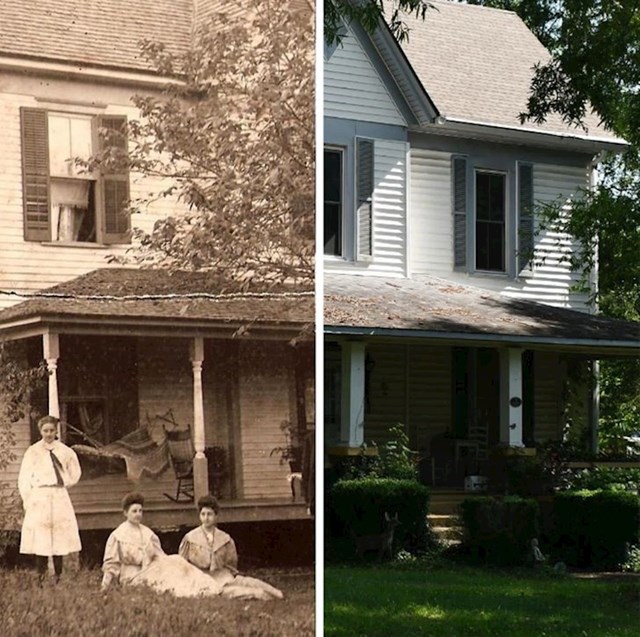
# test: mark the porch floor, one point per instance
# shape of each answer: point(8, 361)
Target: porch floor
point(97, 504)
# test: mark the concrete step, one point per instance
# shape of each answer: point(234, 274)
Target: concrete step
point(448, 533)
point(443, 520)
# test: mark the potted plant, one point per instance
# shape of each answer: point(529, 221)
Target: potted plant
point(291, 451)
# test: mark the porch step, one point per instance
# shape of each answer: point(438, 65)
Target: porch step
point(447, 528)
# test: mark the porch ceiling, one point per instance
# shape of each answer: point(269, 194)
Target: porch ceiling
point(113, 299)
point(432, 308)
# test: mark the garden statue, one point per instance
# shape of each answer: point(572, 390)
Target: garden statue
point(536, 555)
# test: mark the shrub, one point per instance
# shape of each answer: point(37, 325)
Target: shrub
point(605, 478)
point(500, 531)
point(358, 508)
point(594, 528)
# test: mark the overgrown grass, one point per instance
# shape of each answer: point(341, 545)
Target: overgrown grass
point(456, 601)
point(77, 608)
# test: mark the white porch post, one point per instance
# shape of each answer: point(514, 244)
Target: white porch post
point(51, 351)
point(352, 408)
point(200, 469)
point(511, 397)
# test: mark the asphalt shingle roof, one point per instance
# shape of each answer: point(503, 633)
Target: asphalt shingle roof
point(476, 63)
point(93, 32)
point(435, 305)
point(144, 291)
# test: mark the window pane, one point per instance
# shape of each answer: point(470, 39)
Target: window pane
point(333, 202)
point(69, 137)
point(490, 222)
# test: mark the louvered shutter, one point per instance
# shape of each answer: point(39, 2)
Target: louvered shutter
point(113, 186)
point(364, 199)
point(35, 174)
point(459, 212)
point(525, 215)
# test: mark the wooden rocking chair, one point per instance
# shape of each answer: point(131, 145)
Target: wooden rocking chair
point(181, 453)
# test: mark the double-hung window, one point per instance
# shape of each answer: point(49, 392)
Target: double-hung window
point(333, 201)
point(493, 216)
point(63, 203)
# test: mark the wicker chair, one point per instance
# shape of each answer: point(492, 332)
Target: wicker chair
point(181, 453)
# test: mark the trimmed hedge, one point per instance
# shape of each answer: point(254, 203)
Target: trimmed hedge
point(358, 508)
point(500, 530)
point(592, 528)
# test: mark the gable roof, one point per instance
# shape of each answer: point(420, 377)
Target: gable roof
point(476, 63)
point(102, 33)
point(434, 308)
point(127, 296)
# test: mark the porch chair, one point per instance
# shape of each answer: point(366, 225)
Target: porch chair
point(181, 453)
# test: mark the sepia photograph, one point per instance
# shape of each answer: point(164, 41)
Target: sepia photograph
point(157, 249)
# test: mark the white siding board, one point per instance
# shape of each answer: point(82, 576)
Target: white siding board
point(353, 88)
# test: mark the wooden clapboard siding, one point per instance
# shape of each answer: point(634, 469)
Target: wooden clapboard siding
point(353, 88)
point(430, 225)
point(386, 391)
point(21, 431)
point(548, 375)
point(265, 390)
point(429, 397)
point(28, 266)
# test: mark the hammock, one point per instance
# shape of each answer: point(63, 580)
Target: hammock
point(139, 453)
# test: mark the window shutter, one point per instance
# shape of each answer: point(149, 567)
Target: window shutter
point(364, 199)
point(525, 215)
point(35, 174)
point(459, 212)
point(113, 186)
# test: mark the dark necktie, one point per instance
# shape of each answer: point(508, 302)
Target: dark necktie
point(57, 467)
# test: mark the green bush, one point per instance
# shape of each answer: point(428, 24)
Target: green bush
point(357, 507)
point(500, 530)
point(594, 528)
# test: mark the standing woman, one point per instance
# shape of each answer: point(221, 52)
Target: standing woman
point(50, 528)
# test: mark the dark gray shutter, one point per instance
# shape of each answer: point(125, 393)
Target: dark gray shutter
point(364, 199)
point(113, 187)
point(525, 215)
point(459, 212)
point(35, 174)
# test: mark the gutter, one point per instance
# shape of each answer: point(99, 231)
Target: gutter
point(483, 130)
point(628, 347)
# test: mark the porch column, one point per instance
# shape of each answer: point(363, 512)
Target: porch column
point(352, 407)
point(51, 351)
point(594, 414)
point(200, 469)
point(511, 397)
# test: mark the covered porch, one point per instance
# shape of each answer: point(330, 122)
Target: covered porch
point(134, 357)
point(472, 376)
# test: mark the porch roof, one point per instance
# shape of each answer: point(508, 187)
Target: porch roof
point(126, 297)
point(434, 308)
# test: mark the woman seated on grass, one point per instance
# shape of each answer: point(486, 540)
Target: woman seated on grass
point(133, 556)
point(214, 553)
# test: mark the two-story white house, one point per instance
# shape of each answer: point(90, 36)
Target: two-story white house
point(447, 309)
point(130, 350)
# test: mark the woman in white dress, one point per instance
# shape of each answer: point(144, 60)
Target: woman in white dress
point(214, 552)
point(50, 528)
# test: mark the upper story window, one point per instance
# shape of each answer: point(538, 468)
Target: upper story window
point(490, 221)
point(62, 203)
point(495, 233)
point(348, 200)
point(333, 201)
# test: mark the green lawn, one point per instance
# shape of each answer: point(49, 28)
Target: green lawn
point(460, 601)
point(77, 608)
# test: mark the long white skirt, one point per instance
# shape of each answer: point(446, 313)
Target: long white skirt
point(173, 574)
point(50, 526)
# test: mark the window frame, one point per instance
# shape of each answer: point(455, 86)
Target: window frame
point(505, 223)
point(35, 148)
point(342, 151)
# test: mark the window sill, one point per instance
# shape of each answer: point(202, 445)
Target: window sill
point(83, 244)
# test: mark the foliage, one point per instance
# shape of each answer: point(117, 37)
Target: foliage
point(232, 134)
point(596, 47)
point(500, 530)
point(17, 381)
point(632, 563)
point(462, 601)
point(368, 14)
point(76, 607)
point(291, 451)
point(592, 528)
point(357, 507)
point(605, 479)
